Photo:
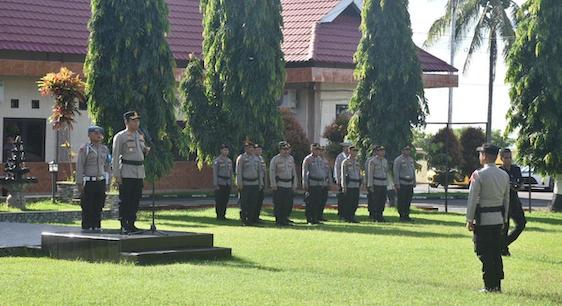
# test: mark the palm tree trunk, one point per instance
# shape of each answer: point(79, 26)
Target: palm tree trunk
point(491, 78)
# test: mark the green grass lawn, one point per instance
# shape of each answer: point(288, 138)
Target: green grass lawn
point(430, 262)
point(44, 205)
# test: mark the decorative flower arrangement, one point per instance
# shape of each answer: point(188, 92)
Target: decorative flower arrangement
point(68, 90)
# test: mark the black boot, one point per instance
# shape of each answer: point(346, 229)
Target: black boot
point(125, 230)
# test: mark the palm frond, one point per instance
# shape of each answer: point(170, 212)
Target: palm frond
point(477, 37)
point(439, 26)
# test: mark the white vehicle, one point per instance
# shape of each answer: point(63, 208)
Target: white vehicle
point(537, 181)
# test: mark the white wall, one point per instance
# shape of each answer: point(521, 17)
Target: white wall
point(330, 96)
point(25, 89)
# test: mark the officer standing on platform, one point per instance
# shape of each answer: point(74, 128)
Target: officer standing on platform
point(283, 180)
point(129, 150)
point(222, 181)
point(314, 182)
point(92, 178)
point(263, 180)
point(377, 181)
point(515, 207)
point(350, 183)
point(486, 214)
point(404, 182)
point(248, 180)
point(337, 174)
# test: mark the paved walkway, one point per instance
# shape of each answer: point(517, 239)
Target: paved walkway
point(25, 234)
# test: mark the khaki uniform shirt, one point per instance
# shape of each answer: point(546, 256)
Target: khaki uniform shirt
point(128, 146)
point(282, 172)
point(489, 187)
point(377, 172)
point(350, 174)
point(337, 167)
point(248, 170)
point(93, 161)
point(315, 171)
point(404, 171)
point(222, 171)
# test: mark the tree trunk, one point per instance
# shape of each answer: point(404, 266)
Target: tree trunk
point(491, 78)
point(556, 205)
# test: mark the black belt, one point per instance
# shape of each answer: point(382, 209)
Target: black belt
point(249, 180)
point(132, 162)
point(348, 179)
point(406, 179)
point(318, 179)
point(224, 177)
point(284, 180)
point(379, 178)
point(490, 209)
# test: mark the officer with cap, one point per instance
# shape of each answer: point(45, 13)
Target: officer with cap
point(324, 198)
point(350, 183)
point(263, 178)
point(404, 181)
point(222, 181)
point(315, 176)
point(283, 180)
point(337, 174)
point(377, 172)
point(92, 177)
point(486, 214)
point(129, 149)
point(248, 180)
point(515, 207)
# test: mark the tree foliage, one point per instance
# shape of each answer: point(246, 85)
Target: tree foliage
point(535, 75)
point(470, 139)
point(243, 77)
point(437, 157)
point(129, 66)
point(389, 99)
point(336, 133)
point(294, 134)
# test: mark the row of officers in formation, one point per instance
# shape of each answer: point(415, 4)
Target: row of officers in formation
point(317, 177)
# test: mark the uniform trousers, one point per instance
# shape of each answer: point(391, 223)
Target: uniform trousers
point(516, 213)
point(130, 193)
point(222, 196)
point(351, 202)
point(340, 199)
point(487, 245)
point(313, 199)
point(92, 201)
point(282, 204)
point(405, 194)
point(376, 201)
point(323, 201)
point(249, 197)
point(260, 204)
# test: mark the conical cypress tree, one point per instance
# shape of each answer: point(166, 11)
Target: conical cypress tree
point(129, 66)
point(389, 99)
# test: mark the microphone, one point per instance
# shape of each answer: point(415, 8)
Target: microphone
point(146, 135)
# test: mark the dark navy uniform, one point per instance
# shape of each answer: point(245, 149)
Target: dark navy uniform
point(515, 208)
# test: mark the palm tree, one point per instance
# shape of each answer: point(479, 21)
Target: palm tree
point(483, 20)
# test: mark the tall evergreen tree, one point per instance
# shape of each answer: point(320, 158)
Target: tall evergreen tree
point(129, 66)
point(389, 99)
point(244, 73)
point(470, 139)
point(535, 75)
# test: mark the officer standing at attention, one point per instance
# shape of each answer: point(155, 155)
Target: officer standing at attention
point(92, 177)
point(515, 207)
point(314, 182)
point(248, 180)
point(283, 180)
point(337, 175)
point(350, 184)
point(222, 181)
point(129, 150)
point(486, 213)
point(404, 182)
point(377, 182)
point(263, 178)
point(324, 198)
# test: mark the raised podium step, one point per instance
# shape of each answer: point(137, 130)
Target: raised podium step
point(176, 255)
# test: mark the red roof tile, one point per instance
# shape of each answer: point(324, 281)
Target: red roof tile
point(60, 26)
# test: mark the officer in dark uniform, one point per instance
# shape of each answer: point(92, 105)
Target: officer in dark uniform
point(515, 207)
point(129, 150)
point(486, 214)
point(222, 181)
point(248, 180)
point(92, 177)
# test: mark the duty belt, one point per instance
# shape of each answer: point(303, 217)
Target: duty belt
point(93, 178)
point(314, 178)
point(132, 162)
point(490, 209)
point(348, 179)
point(406, 179)
point(249, 179)
point(284, 180)
point(224, 177)
point(379, 178)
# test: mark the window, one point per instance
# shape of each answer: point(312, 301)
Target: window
point(32, 132)
point(15, 103)
point(34, 103)
point(341, 108)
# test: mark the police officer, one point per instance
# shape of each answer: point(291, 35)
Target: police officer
point(283, 180)
point(350, 183)
point(263, 180)
point(92, 177)
point(129, 149)
point(248, 180)
point(337, 175)
point(404, 182)
point(487, 207)
point(324, 198)
point(222, 181)
point(377, 172)
point(315, 182)
point(515, 207)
